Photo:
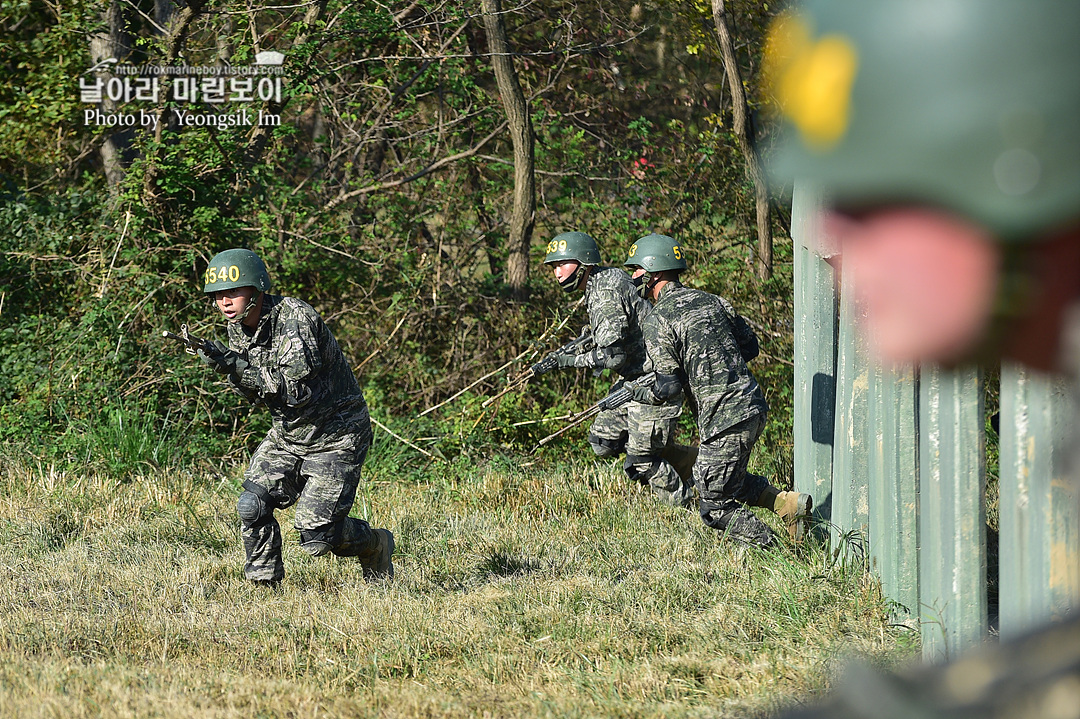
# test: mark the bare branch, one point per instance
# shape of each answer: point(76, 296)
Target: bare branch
point(380, 186)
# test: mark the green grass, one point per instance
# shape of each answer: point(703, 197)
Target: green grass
point(545, 590)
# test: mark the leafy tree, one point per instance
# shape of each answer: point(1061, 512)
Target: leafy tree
point(385, 195)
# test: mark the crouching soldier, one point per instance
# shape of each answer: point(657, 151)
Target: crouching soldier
point(616, 310)
point(281, 354)
point(700, 346)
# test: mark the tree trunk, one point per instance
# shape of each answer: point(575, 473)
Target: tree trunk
point(164, 14)
point(521, 134)
point(743, 133)
point(114, 42)
point(179, 25)
point(225, 41)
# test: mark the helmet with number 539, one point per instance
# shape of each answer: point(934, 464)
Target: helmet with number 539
point(572, 246)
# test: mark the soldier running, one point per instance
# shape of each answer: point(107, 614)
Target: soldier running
point(283, 355)
point(616, 311)
point(700, 345)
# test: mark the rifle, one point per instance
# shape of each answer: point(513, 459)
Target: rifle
point(618, 396)
point(192, 344)
point(575, 346)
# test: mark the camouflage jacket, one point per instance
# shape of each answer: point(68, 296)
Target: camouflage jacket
point(298, 371)
point(692, 334)
point(616, 312)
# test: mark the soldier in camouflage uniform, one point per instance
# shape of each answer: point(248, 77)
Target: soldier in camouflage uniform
point(698, 344)
point(644, 432)
point(281, 354)
point(944, 135)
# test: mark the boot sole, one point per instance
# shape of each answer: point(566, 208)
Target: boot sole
point(376, 575)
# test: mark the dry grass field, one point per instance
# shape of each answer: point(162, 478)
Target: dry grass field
point(541, 591)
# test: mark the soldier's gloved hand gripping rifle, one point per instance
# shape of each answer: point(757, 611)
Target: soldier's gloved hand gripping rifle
point(214, 353)
point(619, 395)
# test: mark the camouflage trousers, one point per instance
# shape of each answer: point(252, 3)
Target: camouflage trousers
point(321, 483)
point(723, 483)
point(647, 434)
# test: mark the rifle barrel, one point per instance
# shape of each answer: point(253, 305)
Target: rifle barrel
point(191, 342)
point(554, 329)
point(586, 414)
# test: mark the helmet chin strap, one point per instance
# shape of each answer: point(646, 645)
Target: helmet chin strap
point(570, 283)
point(247, 309)
point(646, 282)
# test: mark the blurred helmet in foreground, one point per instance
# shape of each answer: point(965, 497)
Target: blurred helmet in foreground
point(967, 105)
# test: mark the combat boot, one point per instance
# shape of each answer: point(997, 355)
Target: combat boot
point(792, 507)
point(742, 526)
point(376, 561)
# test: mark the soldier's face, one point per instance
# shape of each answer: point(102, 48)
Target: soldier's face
point(564, 269)
point(924, 281)
point(232, 302)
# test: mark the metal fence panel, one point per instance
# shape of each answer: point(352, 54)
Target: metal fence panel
point(899, 458)
point(815, 357)
point(850, 487)
point(894, 487)
point(952, 511)
point(1038, 508)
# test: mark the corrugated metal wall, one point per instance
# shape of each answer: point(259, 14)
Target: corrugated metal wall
point(896, 461)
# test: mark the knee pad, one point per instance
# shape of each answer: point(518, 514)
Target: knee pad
point(604, 447)
point(252, 509)
point(641, 468)
point(315, 542)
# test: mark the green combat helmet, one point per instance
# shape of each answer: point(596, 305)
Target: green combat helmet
point(237, 268)
point(656, 253)
point(572, 246)
point(967, 105)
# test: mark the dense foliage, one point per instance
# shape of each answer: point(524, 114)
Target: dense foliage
point(381, 198)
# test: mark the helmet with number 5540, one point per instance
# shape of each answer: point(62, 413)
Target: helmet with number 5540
point(235, 268)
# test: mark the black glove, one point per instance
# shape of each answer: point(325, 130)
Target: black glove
point(296, 402)
point(616, 399)
point(221, 359)
point(545, 365)
point(565, 360)
point(641, 393)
